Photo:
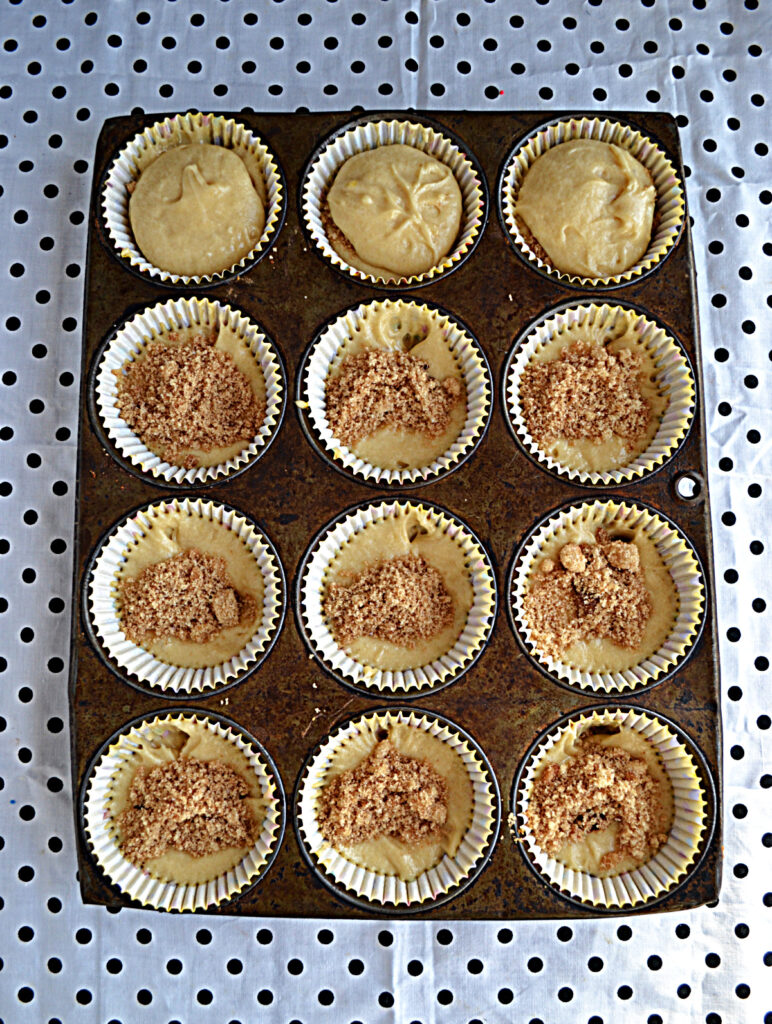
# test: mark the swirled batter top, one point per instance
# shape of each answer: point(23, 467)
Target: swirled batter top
point(195, 210)
point(590, 205)
point(398, 208)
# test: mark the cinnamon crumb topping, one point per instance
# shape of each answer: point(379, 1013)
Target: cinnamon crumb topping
point(387, 794)
point(588, 393)
point(402, 600)
point(197, 807)
point(378, 389)
point(587, 793)
point(593, 591)
point(188, 396)
point(189, 596)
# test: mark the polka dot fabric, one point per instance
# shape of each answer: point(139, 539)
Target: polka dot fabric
point(67, 66)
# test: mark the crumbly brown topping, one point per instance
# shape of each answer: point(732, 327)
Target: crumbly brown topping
point(402, 600)
point(188, 396)
point(387, 794)
point(194, 806)
point(389, 389)
point(593, 591)
point(587, 793)
point(588, 393)
point(189, 596)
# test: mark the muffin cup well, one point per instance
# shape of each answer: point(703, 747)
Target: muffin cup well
point(372, 890)
point(669, 210)
point(363, 135)
point(133, 663)
point(311, 397)
point(367, 679)
point(174, 131)
point(131, 339)
point(689, 836)
point(137, 883)
point(675, 379)
point(678, 556)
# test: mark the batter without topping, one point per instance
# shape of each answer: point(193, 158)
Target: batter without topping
point(196, 211)
point(397, 211)
point(590, 206)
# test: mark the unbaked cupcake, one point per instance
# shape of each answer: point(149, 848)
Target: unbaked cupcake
point(610, 807)
point(185, 596)
point(396, 597)
point(399, 808)
point(394, 202)
point(607, 596)
point(193, 198)
point(591, 201)
point(598, 393)
point(395, 392)
point(188, 390)
point(183, 811)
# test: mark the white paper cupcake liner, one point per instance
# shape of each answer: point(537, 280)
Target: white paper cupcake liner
point(677, 555)
point(447, 877)
point(686, 839)
point(208, 128)
point(674, 379)
point(138, 883)
point(151, 324)
point(669, 203)
point(133, 661)
point(477, 379)
point(448, 668)
point(371, 135)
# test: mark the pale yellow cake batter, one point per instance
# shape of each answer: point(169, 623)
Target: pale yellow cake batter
point(580, 453)
point(590, 205)
point(196, 210)
point(225, 340)
point(600, 654)
point(399, 209)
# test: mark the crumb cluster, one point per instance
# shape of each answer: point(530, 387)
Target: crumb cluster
point(402, 600)
point(187, 396)
point(378, 389)
point(387, 794)
point(189, 596)
point(593, 591)
point(587, 793)
point(588, 393)
point(197, 807)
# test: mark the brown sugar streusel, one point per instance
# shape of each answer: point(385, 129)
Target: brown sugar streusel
point(402, 600)
point(593, 591)
point(378, 389)
point(387, 794)
point(189, 596)
point(589, 792)
point(588, 393)
point(196, 807)
point(187, 396)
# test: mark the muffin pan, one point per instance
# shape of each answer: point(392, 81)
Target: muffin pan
point(291, 702)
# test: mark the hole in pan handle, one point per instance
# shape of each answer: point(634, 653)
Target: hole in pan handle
point(689, 487)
